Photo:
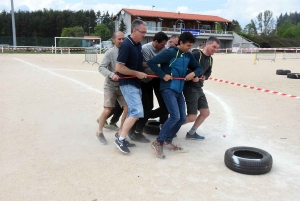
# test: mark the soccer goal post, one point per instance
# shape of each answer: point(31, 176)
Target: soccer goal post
point(4, 46)
point(66, 44)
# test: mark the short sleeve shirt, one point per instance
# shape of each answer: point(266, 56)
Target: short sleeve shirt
point(148, 52)
point(130, 54)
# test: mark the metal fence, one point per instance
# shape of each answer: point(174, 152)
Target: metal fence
point(291, 54)
point(28, 41)
point(4, 48)
point(267, 55)
point(91, 55)
point(264, 53)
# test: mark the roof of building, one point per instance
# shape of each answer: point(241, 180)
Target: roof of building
point(91, 37)
point(173, 15)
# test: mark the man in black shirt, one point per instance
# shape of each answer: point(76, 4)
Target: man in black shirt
point(194, 97)
point(130, 63)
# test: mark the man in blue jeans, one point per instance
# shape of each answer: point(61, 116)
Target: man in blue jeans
point(130, 62)
point(174, 61)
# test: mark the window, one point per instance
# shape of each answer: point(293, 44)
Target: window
point(151, 25)
point(181, 25)
point(206, 27)
point(159, 26)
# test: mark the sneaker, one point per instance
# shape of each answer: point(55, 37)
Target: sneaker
point(105, 124)
point(158, 149)
point(128, 144)
point(101, 138)
point(122, 146)
point(139, 137)
point(172, 146)
point(195, 136)
point(112, 127)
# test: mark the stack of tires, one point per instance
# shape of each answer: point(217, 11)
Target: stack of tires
point(288, 73)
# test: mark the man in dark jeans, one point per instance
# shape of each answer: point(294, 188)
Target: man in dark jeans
point(174, 61)
point(157, 112)
point(150, 50)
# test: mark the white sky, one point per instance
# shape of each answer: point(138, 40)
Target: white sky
point(241, 10)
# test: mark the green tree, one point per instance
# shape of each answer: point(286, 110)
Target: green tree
point(102, 31)
point(122, 26)
point(291, 31)
point(288, 25)
point(98, 17)
point(107, 20)
point(236, 26)
point(71, 32)
point(284, 26)
point(264, 22)
point(233, 26)
point(297, 30)
point(281, 19)
point(250, 28)
point(90, 21)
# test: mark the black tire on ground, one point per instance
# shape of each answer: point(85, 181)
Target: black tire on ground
point(282, 72)
point(293, 75)
point(152, 127)
point(248, 160)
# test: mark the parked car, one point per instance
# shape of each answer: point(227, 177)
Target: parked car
point(106, 44)
point(97, 46)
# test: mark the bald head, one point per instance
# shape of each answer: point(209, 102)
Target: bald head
point(173, 41)
point(118, 38)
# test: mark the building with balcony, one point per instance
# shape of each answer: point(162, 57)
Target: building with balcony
point(174, 23)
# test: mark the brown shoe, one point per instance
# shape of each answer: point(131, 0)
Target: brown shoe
point(158, 149)
point(172, 146)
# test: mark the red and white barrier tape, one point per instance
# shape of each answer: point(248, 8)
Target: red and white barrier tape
point(254, 88)
point(237, 48)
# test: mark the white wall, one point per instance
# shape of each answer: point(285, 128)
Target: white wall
point(127, 20)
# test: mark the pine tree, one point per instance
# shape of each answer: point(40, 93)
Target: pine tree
point(122, 26)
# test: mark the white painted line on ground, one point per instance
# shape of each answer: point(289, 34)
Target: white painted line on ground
point(61, 76)
point(61, 69)
point(227, 111)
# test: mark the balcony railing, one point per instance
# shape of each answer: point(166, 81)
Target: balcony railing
point(169, 30)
